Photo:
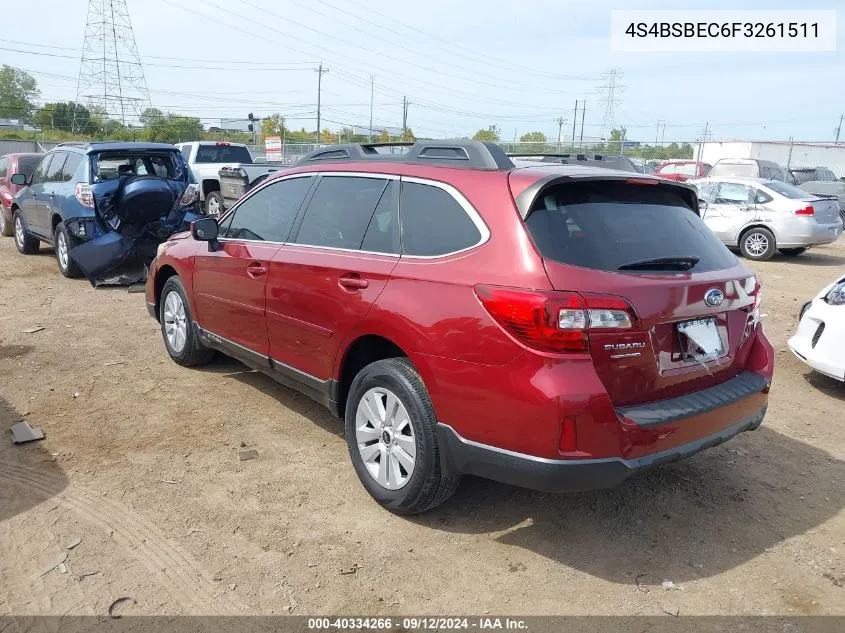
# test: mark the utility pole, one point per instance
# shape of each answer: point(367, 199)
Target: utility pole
point(404, 118)
point(574, 121)
point(839, 128)
point(560, 122)
point(319, 72)
point(583, 116)
point(657, 135)
point(701, 142)
point(372, 90)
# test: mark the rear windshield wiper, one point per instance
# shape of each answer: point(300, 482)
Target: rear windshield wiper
point(663, 263)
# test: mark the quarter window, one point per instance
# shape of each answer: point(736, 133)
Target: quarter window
point(69, 169)
point(268, 214)
point(340, 211)
point(433, 223)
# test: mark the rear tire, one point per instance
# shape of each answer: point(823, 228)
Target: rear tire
point(793, 252)
point(64, 242)
point(177, 326)
point(758, 244)
point(410, 486)
point(214, 204)
point(6, 225)
point(25, 243)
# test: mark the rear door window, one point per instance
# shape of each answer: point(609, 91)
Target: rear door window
point(54, 171)
point(382, 234)
point(603, 225)
point(340, 211)
point(268, 214)
point(433, 222)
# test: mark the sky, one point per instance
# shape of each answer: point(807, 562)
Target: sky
point(462, 64)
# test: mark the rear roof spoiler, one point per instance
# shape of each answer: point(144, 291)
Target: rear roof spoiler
point(525, 199)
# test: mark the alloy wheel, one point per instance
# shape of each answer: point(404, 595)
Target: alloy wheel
point(61, 249)
point(756, 244)
point(175, 322)
point(385, 438)
point(19, 235)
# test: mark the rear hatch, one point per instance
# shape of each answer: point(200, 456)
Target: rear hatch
point(639, 245)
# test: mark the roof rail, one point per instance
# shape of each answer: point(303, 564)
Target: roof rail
point(74, 144)
point(473, 154)
point(553, 158)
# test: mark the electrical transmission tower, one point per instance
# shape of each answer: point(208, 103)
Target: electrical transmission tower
point(111, 77)
point(610, 90)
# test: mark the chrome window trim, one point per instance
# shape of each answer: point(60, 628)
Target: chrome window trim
point(462, 201)
point(464, 204)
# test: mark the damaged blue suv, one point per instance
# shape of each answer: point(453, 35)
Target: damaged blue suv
point(101, 204)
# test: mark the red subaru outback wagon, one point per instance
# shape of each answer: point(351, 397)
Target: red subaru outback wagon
point(557, 327)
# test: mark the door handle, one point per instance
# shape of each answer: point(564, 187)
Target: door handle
point(255, 270)
point(353, 283)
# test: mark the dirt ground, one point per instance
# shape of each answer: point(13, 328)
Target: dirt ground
point(140, 462)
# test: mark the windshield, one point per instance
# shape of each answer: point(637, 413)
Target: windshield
point(223, 154)
point(112, 165)
point(735, 170)
point(605, 225)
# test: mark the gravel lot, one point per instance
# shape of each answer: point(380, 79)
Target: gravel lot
point(141, 462)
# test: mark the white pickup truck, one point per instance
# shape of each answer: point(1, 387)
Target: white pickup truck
point(206, 158)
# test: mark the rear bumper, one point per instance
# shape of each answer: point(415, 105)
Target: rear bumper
point(809, 233)
point(574, 475)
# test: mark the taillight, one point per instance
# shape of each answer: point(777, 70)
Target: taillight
point(808, 210)
point(85, 194)
point(190, 196)
point(554, 321)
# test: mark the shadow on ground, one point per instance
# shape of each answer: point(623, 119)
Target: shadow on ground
point(28, 474)
point(286, 397)
point(694, 519)
point(827, 385)
point(810, 258)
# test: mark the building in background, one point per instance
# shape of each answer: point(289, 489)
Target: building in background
point(789, 154)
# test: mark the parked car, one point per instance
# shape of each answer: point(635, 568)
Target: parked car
point(823, 183)
point(800, 175)
point(820, 339)
point(682, 170)
point(558, 327)
point(11, 164)
point(102, 203)
point(748, 168)
point(206, 159)
point(645, 166)
point(761, 216)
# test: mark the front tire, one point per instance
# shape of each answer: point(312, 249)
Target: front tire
point(214, 204)
point(391, 433)
point(793, 252)
point(64, 243)
point(177, 327)
point(25, 243)
point(758, 244)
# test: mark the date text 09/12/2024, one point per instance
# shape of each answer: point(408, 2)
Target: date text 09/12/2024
point(419, 623)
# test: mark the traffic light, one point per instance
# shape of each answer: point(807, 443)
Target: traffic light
point(250, 127)
point(251, 118)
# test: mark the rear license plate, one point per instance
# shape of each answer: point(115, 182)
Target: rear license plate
point(700, 339)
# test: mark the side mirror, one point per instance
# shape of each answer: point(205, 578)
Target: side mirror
point(206, 230)
point(18, 179)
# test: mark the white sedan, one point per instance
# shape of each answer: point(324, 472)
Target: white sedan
point(820, 340)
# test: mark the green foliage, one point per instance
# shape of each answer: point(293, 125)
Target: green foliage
point(273, 125)
point(491, 134)
point(60, 116)
point(533, 137)
point(18, 91)
point(168, 128)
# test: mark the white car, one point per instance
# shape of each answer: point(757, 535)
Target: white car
point(820, 340)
